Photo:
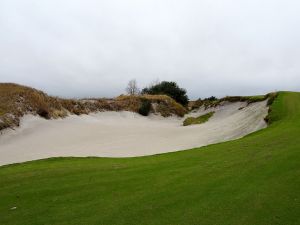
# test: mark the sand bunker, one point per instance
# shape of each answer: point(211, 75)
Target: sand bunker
point(126, 134)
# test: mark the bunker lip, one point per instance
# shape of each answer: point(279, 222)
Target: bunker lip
point(126, 134)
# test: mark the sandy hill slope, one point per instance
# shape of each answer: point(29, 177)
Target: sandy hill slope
point(127, 134)
point(54, 127)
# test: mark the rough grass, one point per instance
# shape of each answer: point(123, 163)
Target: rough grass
point(17, 100)
point(162, 104)
point(197, 120)
point(251, 181)
point(249, 99)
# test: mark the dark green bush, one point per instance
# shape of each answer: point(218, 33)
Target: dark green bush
point(42, 112)
point(212, 98)
point(145, 107)
point(168, 88)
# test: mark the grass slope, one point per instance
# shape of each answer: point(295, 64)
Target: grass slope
point(253, 180)
point(197, 120)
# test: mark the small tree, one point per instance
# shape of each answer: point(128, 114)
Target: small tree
point(132, 88)
point(145, 107)
point(168, 88)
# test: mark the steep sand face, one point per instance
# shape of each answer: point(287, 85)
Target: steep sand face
point(126, 134)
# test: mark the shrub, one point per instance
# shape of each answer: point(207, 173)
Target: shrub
point(168, 88)
point(206, 102)
point(212, 98)
point(145, 107)
point(271, 97)
point(42, 112)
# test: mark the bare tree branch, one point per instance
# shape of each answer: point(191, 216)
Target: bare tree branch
point(132, 88)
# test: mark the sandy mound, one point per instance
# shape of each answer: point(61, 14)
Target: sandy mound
point(126, 134)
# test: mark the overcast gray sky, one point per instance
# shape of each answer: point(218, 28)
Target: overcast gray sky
point(85, 48)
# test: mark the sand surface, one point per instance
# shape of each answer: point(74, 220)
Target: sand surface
point(125, 134)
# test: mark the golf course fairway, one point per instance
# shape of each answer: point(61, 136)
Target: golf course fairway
point(253, 180)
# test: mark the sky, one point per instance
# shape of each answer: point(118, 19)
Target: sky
point(92, 48)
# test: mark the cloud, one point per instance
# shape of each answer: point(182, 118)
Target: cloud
point(77, 48)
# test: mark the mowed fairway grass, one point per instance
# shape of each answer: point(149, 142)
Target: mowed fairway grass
point(253, 180)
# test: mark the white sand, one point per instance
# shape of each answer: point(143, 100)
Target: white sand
point(125, 134)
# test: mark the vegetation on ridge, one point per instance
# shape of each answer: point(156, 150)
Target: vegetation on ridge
point(213, 101)
point(17, 100)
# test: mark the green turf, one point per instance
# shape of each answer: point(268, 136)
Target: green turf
point(254, 180)
point(197, 120)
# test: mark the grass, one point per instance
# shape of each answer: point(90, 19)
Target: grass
point(197, 120)
point(251, 181)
